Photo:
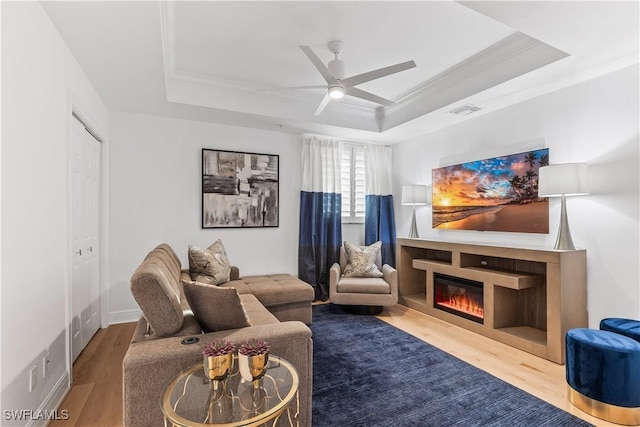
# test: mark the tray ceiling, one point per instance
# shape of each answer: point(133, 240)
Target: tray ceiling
point(232, 62)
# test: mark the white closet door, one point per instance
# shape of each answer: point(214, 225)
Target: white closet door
point(85, 288)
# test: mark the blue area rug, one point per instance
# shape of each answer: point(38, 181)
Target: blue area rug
point(369, 373)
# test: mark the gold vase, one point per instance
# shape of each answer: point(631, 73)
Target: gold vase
point(217, 368)
point(252, 368)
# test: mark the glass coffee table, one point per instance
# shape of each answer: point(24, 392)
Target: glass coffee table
point(193, 400)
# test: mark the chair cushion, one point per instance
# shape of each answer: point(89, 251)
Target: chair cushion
point(363, 285)
point(216, 308)
point(209, 265)
point(362, 262)
point(627, 327)
point(166, 253)
point(158, 297)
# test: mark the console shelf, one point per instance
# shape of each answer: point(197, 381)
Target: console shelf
point(532, 296)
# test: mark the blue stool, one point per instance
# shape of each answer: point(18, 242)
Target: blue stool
point(627, 327)
point(603, 375)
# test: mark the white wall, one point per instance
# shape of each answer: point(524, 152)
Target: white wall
point(353, 233)
point(155, 197)
point(40, 80)
point(595, 122)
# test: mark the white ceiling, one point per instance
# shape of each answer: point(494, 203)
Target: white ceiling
point(229, 62)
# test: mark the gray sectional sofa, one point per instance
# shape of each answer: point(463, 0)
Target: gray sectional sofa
point(278, 308)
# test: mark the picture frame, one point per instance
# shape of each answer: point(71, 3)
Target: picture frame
point(240, 189)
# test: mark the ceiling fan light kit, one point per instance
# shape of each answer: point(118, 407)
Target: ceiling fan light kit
point(339, 86)
point(336, 92)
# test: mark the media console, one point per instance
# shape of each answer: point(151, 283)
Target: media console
point(531, 297)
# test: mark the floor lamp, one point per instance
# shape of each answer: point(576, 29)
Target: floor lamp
point(415, 195)
point(562, 180)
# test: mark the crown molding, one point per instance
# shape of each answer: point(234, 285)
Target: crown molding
point(511, 57)
point(499, 57)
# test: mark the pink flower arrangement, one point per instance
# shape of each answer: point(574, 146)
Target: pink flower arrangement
point(219, 348)
point(254, 347)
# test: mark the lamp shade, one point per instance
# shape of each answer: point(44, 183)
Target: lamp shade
point(568, 179)
point(415, 194)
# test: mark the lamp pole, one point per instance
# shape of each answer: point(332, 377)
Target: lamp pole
point(564, 240)
point(413, 232)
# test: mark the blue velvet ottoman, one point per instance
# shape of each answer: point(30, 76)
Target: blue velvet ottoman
point(627, 327)
point(603, 374)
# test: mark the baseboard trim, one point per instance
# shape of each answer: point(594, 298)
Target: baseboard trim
point(124, 316)
point(52, 402)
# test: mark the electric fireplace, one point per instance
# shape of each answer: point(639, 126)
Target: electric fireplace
point(459, 296)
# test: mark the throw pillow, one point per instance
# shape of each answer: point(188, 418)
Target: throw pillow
point(216, 308)
point(209, 265)
point(362, 262)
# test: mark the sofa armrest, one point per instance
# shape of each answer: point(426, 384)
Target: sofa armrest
point(148, 367)
point(235, 273)
point(390, 275)
point(150, 352)
point(334, 276)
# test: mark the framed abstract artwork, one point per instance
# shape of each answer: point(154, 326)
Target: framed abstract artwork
point(239, 190)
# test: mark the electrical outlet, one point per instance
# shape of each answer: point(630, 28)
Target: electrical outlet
point(33, 378)
point(45, 365)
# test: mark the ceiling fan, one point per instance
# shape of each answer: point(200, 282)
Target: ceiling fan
point(339, 86)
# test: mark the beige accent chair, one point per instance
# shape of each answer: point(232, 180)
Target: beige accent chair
point(366, 295)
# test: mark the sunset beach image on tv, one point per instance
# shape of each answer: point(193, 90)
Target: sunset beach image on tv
point(497, 194)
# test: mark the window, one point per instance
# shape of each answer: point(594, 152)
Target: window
point(353, 183)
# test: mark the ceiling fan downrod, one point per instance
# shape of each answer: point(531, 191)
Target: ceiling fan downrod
point(336, 66)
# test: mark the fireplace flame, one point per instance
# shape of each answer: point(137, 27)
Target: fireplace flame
point(463, 303)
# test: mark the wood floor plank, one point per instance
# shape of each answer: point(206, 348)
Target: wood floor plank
point(87, 355)
point(103, 407)
point(88, 364)
point(74, 402)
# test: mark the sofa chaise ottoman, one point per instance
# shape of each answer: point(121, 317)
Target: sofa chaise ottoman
point(285, 296)
point(277, 307)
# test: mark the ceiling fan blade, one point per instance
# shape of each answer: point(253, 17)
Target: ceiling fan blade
point(317, 62)
point(322, 105)
point(359, 93)
point(376, 74)
point(279, 88)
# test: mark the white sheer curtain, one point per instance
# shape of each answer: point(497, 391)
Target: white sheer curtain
point(321, 160)
point(378, 161)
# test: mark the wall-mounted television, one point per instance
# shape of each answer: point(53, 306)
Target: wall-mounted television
point(496, 194)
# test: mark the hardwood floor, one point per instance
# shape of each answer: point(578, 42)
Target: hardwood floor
point(96, 395)
point(95, 398)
